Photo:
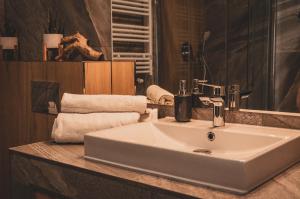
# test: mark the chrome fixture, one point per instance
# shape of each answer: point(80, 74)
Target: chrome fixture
point(215, 98)
point(235, 96)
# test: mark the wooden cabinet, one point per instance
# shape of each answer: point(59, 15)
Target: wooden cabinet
point(109, 77)
point(21, 125)
point(121, 84)
point(97, 77)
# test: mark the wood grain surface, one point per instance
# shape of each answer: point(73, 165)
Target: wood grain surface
point(97, 77)
point(123, 78)
point(19, 125)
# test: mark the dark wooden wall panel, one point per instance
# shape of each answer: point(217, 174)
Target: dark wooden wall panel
point(71, 78)
point(38, 122)
point(19, 125)
point(15, 112)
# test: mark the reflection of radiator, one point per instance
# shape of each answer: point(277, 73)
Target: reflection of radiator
point(132, 33)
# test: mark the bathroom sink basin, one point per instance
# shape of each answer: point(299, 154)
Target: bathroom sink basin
point(235, 157)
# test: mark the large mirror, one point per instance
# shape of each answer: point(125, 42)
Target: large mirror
point(252, 43)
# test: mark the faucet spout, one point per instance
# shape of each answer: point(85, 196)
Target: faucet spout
point(218, 109)
point(218, 113)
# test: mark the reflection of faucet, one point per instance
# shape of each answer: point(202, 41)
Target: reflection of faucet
point(235, 96)
point(215, 98)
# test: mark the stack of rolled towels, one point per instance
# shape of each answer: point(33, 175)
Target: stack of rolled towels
point(81, 114)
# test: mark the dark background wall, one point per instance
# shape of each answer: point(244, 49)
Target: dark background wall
point(179, 22)
point(237, 49)
point(1, 15)
point(247, 49)
point(287, 65)
point(30, 19)
point(253, 43)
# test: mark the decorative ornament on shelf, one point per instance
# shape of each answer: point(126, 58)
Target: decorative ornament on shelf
point(79, 43)
point(51, 39)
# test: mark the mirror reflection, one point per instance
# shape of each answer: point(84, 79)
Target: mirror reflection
point(245, 43)
point(248, 48)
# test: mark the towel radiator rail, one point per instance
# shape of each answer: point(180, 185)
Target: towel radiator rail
point(129, 34)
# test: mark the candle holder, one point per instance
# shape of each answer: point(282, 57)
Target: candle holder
point(9, 48)
point(51, 46)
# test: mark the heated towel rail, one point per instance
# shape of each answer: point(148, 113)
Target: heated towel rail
point(132, 33)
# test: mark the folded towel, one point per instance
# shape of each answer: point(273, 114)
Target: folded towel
point(70, 128)
point(72, 103)
point(159, 95)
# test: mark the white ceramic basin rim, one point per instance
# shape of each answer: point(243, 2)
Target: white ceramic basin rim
point(237, 159)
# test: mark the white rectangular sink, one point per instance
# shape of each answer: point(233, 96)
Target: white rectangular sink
point(235, 158)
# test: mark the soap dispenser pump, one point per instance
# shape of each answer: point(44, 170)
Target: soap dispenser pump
point(183, 103)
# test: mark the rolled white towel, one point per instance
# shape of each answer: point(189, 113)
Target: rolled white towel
point(70, 128)
point(73, 103)
point(159, 95)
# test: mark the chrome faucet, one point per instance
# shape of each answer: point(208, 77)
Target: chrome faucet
point(215, 98)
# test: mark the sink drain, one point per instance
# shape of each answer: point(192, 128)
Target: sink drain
point(206, 151)
point(211, 136)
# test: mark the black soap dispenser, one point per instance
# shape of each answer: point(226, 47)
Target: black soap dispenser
point(196, 94)
point(183, 103)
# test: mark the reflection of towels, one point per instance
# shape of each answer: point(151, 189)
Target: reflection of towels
point(70, 128)
point(72, 103)
point(151, 115)
point(159, 95)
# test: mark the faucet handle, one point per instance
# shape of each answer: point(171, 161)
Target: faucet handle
point(202, 81)
point(217, 91)
point(212, 100)
point(205, 100)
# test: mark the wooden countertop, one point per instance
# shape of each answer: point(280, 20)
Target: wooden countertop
point(285, 185)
